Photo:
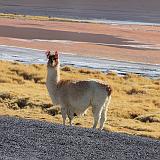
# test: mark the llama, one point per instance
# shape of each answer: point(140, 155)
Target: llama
point(76, 96)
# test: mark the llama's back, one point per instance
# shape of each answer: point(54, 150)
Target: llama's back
point(78, 95)
point(82, 87)
point(71, 90)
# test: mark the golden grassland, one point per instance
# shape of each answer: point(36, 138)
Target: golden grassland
point(40, 18)
point(134, 108)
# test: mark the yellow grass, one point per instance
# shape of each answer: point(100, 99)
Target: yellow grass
point(134, 108)
point(40, 18)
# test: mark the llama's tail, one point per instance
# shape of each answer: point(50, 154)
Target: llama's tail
point(109, 90)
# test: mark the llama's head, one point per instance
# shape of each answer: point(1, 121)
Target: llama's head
point(53, 59)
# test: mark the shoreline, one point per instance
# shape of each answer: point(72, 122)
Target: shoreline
point(100, 58)
point(92, 21)
point(105, 65)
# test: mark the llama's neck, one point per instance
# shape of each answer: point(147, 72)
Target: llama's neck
point(53, 74)
point(53, 77)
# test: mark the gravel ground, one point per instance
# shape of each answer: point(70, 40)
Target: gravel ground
point(33, 140)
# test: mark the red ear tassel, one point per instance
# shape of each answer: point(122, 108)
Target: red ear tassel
point(47, 53)
point(56, 55)
point(56, 58)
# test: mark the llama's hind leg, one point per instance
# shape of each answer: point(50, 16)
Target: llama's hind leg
point(64, 114)
point(103, 115)
point(96, 114)
point(103, 118)
point(70, 116)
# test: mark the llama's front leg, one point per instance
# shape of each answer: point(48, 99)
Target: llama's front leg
point(96, 113)
point(64, 115)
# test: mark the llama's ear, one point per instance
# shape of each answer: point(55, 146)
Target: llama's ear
point(47, 53)
point(56, 58)
point(56, 55)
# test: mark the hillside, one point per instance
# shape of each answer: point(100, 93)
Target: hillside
point(134, 108)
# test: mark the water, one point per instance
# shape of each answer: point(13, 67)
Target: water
point(108, 11)
point(35, 56)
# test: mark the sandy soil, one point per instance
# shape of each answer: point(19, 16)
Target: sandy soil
point(120, 42)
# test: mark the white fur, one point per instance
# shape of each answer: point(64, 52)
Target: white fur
point(77, 96)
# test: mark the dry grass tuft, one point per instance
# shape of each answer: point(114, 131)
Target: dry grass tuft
point(149, 118)
point(53, 110)
point(88, 71)
point(22, 102)
point(4, 95)
point(133, 115)
point(28, 74)
point(135, 91)
point(112, 74)
point(67, 68)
